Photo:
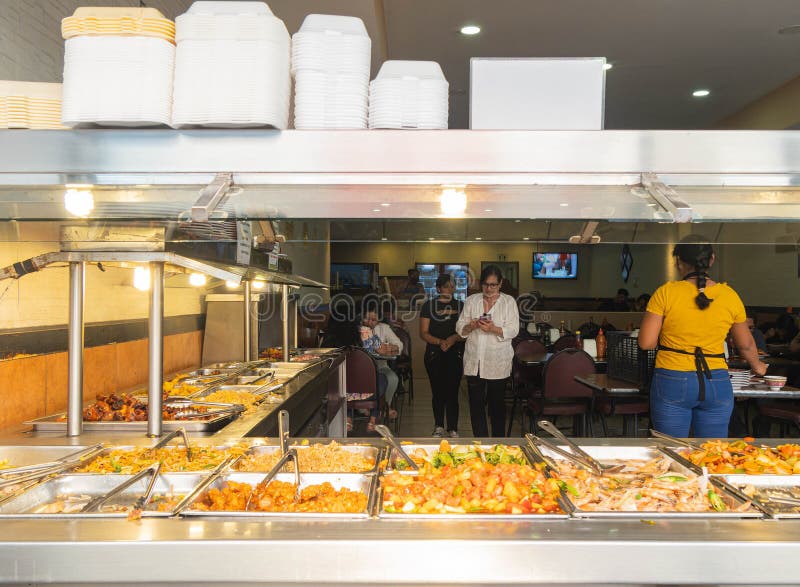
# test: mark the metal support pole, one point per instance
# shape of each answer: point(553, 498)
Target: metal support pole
point(155, 330)
point(295, 316)
point(285, 319)
point(77, 287)
point(247, 332)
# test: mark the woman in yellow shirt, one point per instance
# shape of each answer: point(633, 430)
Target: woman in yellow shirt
point(688, 321)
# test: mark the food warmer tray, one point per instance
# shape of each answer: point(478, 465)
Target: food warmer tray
point(430, 449)
point(369, 452)
point(83, 488)
point(131, 448)
point(353, 481)
point(55, 423)
point(617, 454)
point(782, 485)
point(20, 456)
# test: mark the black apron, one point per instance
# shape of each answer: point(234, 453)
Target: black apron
point(700, 363)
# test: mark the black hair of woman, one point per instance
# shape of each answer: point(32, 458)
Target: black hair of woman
point(442, 280)
point(491, 270)
point(697, 252)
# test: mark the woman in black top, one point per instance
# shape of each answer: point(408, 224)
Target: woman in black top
point(443, 355)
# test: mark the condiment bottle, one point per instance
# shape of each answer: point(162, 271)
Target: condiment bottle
point(561, 330)
point(601, 344)
point(578, 339)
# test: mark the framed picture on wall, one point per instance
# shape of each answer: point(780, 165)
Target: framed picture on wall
point(510, 271)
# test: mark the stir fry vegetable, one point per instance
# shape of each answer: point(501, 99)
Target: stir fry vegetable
point(740, 457)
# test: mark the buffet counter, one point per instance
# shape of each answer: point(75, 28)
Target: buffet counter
point(229, 550)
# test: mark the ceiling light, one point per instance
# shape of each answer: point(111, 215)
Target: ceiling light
point(453, 201)
point(607, 66)
point(518, 221)
point(78, 202)
point(487, 209)
point(525, 238)
point(470, 30)
point(141, 278)
point(197, 279)
point(231, 284)
point(477, 238)
point(700, 93)
point(385, 204)
point(383, 238)
point(376, 209)
point(563, 204)
point(258, 284)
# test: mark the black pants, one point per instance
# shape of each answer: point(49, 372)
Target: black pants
point(491, 393)
point(444, 371)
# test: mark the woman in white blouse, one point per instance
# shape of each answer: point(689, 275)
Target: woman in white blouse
point(489, 322)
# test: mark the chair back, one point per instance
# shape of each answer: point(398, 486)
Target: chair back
point(560, 371)
point(568, 341)
point(405, 338)
point(527, 375)
point(527, 348)
point(362, 375)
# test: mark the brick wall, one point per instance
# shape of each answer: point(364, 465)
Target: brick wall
point(31, 47)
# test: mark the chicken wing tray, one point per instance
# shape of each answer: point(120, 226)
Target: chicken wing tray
point(469, 481)
point(320, 495)
point(642, 482)
point(778, 495)
point(315, 458)
point(66, 495)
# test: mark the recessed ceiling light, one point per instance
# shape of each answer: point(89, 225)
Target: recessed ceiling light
point(700, 93)
point(453, 201)
point(487, 210)
point(383, 238)
point(607, 66)
point(376, 209)
point(477, 238)
point(385, 204)
point(518, 221)
point(563, 204)
point(197, 279)
point(525, 238)
point(790, 30)
point(470, 30)
point(430, 238)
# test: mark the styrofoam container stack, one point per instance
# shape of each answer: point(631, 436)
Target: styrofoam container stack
point(409, 94)
point(32, 105)
point(330, 63)
point(118, 66)
point(232, 67)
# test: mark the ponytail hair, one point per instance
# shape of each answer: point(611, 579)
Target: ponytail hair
point(697, 252)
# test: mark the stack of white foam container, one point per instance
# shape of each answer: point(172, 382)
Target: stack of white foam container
point(232, 67)
point(330, 64)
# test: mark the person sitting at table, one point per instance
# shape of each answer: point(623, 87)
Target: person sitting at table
point(688, 321)
point(383, 342)
point(758, 336)
point(782, 331)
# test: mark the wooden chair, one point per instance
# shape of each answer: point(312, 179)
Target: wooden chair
point(362, 379)
point(786, 413)
point(525, 379)
point(568, 341)
point(561, 394)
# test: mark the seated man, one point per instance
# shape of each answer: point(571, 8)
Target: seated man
point(389, 345)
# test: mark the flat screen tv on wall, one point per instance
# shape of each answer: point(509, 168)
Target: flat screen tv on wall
point(555, 265)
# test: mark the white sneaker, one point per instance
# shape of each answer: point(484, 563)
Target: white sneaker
point(438, 432)
point(453, 434)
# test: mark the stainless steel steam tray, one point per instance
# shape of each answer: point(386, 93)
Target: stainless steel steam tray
point(368, 452)
point(58, 423)
point(619, 483)
point(66, 495)
point(365, 484)
point(778, 495)
point(426, 452)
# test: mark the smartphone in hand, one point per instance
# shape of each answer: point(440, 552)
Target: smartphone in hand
point(485, 318)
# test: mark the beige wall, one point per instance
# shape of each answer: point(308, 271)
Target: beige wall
point(310, 251)
point(598, 265)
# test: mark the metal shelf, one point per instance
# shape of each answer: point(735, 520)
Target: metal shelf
point(719, 175)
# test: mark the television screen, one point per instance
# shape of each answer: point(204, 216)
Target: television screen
point(353, 275)
point(555, 265)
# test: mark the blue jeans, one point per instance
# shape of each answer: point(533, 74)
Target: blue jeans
point(675, 410)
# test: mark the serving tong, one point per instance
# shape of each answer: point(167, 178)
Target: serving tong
point(389, 437)
point(153, 471)
point(662, 437)
point(59, 467)
point(576, 454)
point(77, 455)
point(203, 485)
point(225, 409)
point(289, 455)
point(175, 433)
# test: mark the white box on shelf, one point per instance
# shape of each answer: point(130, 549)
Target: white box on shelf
point(537, 93)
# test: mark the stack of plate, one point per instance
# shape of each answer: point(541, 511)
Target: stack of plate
point(330, 64)
point(118, 65)
point(740, 377)
point(232, 67)
point(409, 94)
point(30, 105)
